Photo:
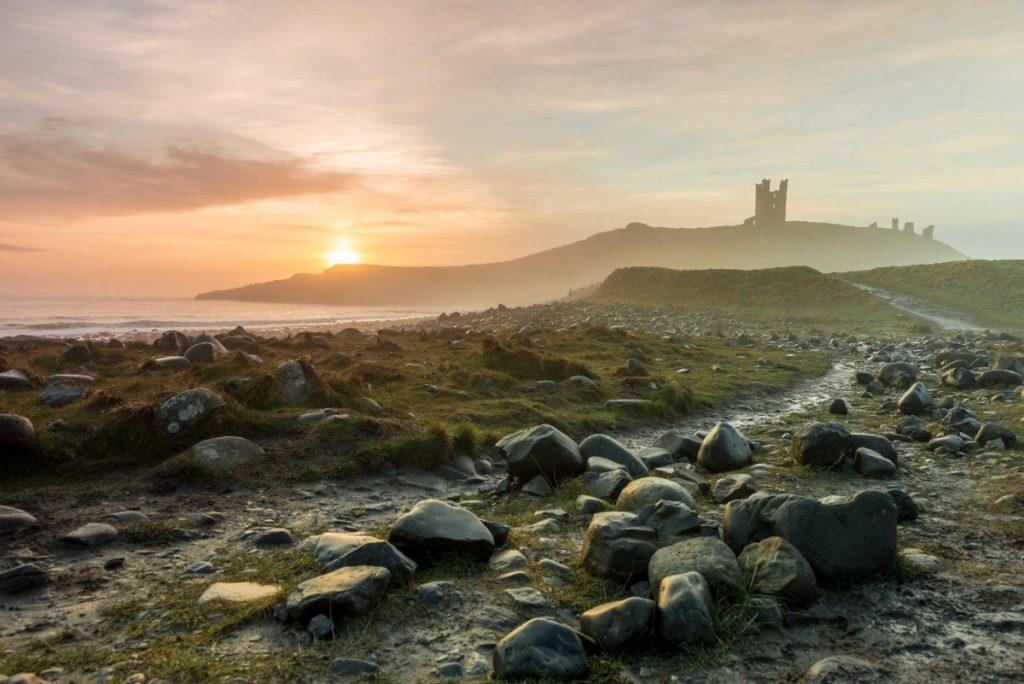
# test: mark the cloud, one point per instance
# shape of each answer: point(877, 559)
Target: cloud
point(50, 173)
point(17, 248)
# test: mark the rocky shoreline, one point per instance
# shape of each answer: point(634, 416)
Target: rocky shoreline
point(869, 531)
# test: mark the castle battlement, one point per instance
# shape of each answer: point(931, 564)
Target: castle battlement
point(769, 205)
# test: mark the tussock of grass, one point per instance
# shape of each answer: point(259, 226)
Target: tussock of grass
point(426, 450)
point(524, 363)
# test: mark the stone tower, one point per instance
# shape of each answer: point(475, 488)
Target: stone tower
point(769, 206)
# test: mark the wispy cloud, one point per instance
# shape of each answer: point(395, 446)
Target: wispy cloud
point(16, 248)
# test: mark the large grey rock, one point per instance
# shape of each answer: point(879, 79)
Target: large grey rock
point(707, 555)
point(724, 448)
point(203, 352)
point(775, 567)
point(226, 453)
point(916, 400)
point(14, 379)
point(685, 609)
point(870, 463)
point(821, 445)
point(17, 436)
point(619, 544)
point(185, 410)
point(898, 374)
point(22, 578)
point(332, 545)
point(542, 450)
point(603, 446)
point(294, 385)
point(843, 538)
point(540, 649)
point(1000, 378)
point(876, 443)
point(618, 625)
point(434, 528)
point(344, 592)
point(959, 378)
point(91, 534)
point(173, 362)
point(681, 446)
point(379, 554)
point(993, 431)
point(606, 485)
point(171, 341)
point(650, 490)
point(59, 394)
point(13, 519)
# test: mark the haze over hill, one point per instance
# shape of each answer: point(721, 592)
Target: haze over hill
point(551, 274)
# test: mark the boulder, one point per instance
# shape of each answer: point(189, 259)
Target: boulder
point(681, 446)
point(1000, 378)
point(14, 519)
point(619, 544)
point(840, 669)
point(292, 378)
point(649, 490)
point(433, 528)
point(870, 463)
point(203, 352)
point(332, 545)
point(347, 591)
point(618, 625)
point(76, 353)
point(724, 448)
point(990, 432)
point(842, 538)
point(540, 649)
point(607, 485)
point(707, 555)
point(171, 341)
point(17, 436)
point(839, 407)
point(821, 445)
point(959, 378)
point(777, 568)
point(91, 534)
point(916, 400)
point(542, 450)
point(603, 446)
point(226, 453)
point(876, 443)
point(684, 610)
point(185, 410)
point(378, 554)
point(900, 374)
point(173, 362)
point(731, 488)
point(22, 578)
point(14, 380)
point(58, 394)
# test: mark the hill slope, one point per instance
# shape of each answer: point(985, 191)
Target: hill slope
point(794, 293)
point(992, 292)
point(550, 274)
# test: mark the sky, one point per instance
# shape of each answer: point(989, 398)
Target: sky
point(160, 148)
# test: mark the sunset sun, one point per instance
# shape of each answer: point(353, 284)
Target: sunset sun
point(342, 254)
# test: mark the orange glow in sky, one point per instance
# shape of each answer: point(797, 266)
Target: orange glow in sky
point(343, 254)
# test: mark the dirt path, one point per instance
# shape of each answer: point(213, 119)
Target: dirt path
point(942, 317)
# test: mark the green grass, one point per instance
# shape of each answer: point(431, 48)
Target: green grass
point(992, 292)
point(796, 293)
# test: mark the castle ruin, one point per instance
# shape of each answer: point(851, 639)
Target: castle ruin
point(769, 205)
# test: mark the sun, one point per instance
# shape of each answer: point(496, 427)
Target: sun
point(342, 254)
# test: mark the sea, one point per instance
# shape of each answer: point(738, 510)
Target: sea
point(97, 317)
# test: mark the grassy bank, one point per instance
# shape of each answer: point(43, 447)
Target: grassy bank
point(411, 398)
point(992, 292)
point(797, 294)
